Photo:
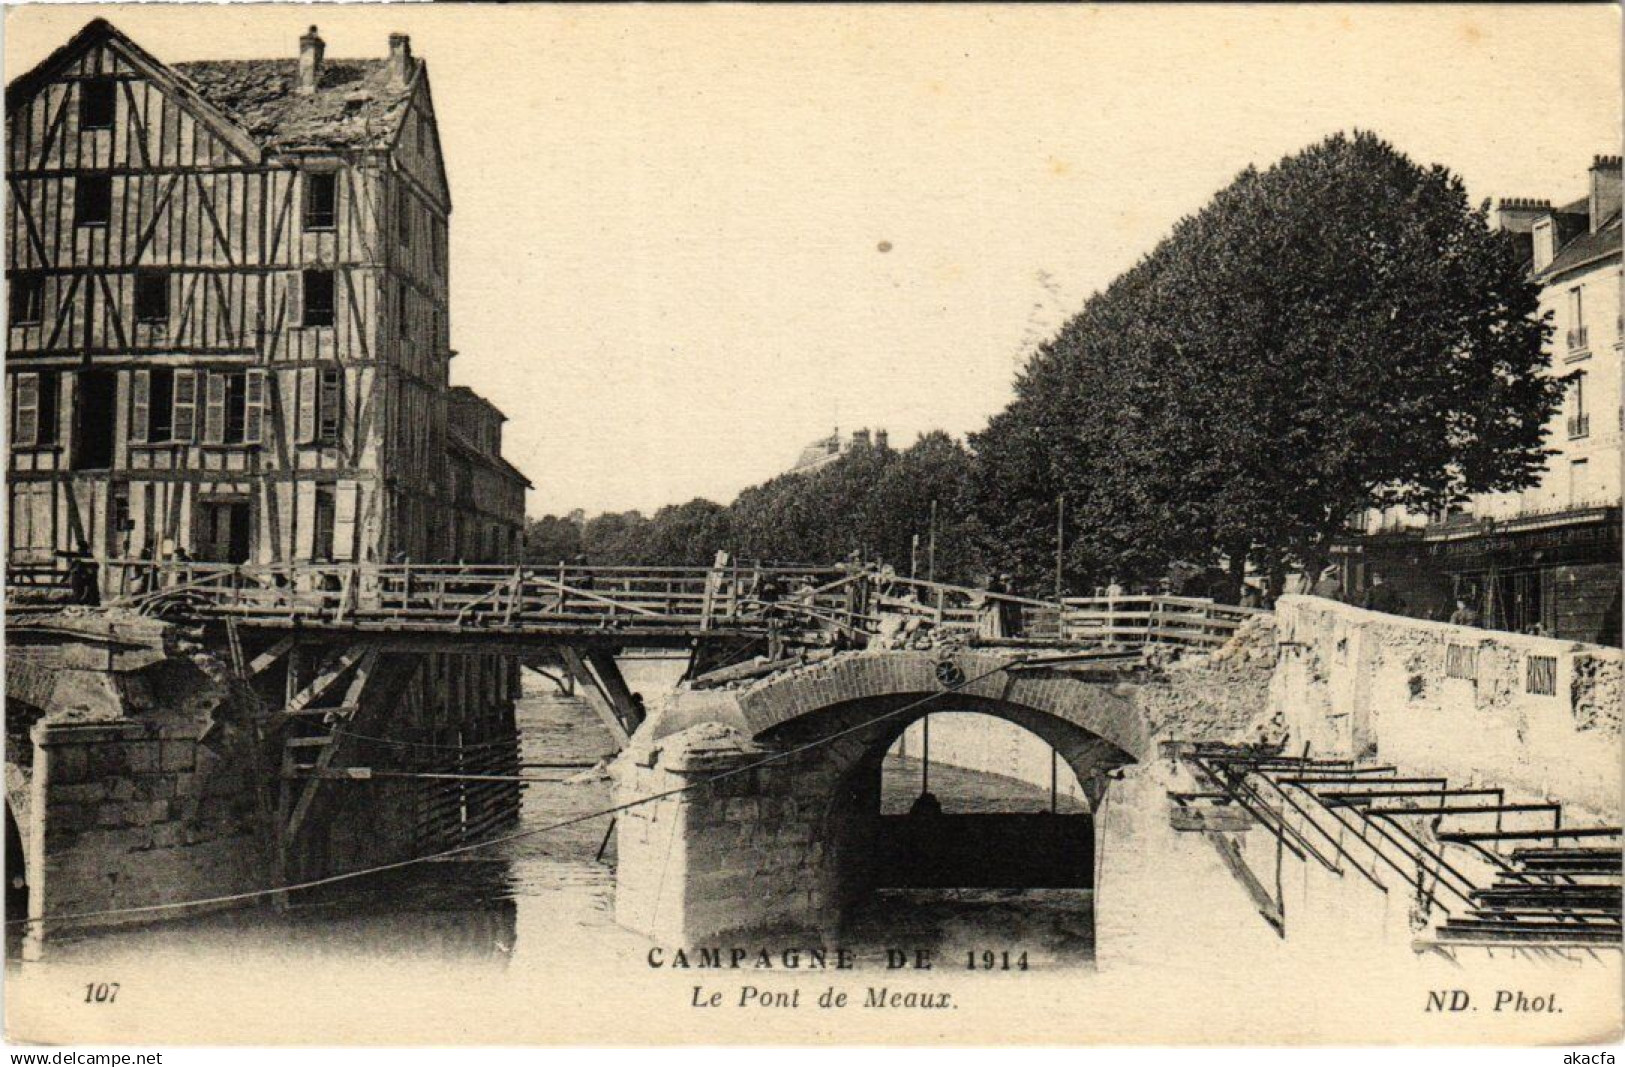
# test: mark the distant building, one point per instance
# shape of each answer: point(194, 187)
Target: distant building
point(1547, 557)
point(487, 492)
point(827, 450)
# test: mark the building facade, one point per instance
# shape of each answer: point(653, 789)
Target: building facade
point(487, 492)
point(228, 325)
point(1546, 559)
point(229, 340)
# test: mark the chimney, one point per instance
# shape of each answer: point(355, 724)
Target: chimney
point(1519, 214)
point(400, 60)
point(311, 48)
point(881, 439)
point(1545, 243)
point(1604, 190)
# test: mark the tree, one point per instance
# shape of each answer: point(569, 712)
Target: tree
point(551, 539)
point(1339, 332)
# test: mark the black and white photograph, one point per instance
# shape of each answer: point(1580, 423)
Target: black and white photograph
point(812, 525)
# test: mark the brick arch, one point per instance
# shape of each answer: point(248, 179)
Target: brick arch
point(1084, 714)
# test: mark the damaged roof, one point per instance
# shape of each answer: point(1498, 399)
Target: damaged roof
point(354, 105)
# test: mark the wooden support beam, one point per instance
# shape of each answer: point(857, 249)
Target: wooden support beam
point(613, 683)
point(587, 688)
point(1230, 856)
point(265, 660)
point(334, 669)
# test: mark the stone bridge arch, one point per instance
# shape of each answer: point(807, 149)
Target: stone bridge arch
point(783, 843)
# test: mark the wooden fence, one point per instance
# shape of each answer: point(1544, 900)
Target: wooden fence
point(1136, 621)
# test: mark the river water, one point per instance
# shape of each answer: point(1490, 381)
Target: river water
point(549, 896)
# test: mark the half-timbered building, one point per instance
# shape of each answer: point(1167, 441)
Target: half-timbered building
point(228, 340)
point(228, 326)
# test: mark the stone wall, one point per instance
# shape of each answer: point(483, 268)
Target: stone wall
point(1535, 715)
point(130, 814)
point(745, 852)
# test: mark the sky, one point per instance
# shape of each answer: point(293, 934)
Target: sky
point(687, 241)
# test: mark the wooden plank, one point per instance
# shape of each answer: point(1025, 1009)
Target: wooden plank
point(330, 673)
point(588, 689)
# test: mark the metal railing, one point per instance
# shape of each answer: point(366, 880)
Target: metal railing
point(1579, 425)
point(1578, 338)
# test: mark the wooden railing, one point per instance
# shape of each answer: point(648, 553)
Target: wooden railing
point(1136, 621)
point(861, 603)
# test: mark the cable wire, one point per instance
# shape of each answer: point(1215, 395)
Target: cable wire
point(575, 820)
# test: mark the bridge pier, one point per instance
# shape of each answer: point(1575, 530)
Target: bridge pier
point(746, 851)
point(144, 771)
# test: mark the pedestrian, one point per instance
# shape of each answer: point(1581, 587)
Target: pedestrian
point(1009, 610)
point(1327, 586)
point(1464, 615)
point(84, 585)
point(1380, 596)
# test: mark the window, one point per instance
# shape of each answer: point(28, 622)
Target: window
point(34, 406)
point(404, 318)
point(405, 218)
point(1578, 471)
point(96, 104)
point(27, 299)
point(24, 409)
point(325, 516)
point(234, 409)
point(50, 385)
point(163, 405)
point(321, 405)
point(318, 298)
point(1579, 420)
point(152, 297)
point(321, 200)
point(92, 200)
point(1578, 341)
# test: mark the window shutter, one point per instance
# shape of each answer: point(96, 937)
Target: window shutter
point(344, 518)
point(307, 407)
point(184, 422)
point(214, 409)
point(294, 287)
point(331, 405)
point(141, 407)
point(254, 407)
point(25, 418)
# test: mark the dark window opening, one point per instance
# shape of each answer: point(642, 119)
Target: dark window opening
point(318, 302)
point(236, 407)
point(321, 200)
point(27, 299)
point(321, 548)
point(404, 320)
point(50, 385)
point(95, 409)
point(161, 413)
point(92, 200)
point(151, 297)
point(96, 104)
point(406, 220)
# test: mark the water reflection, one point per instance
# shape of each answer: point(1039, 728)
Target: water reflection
point(544, 900)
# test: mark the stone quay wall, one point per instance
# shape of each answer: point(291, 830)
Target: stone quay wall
point(1535, 715)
